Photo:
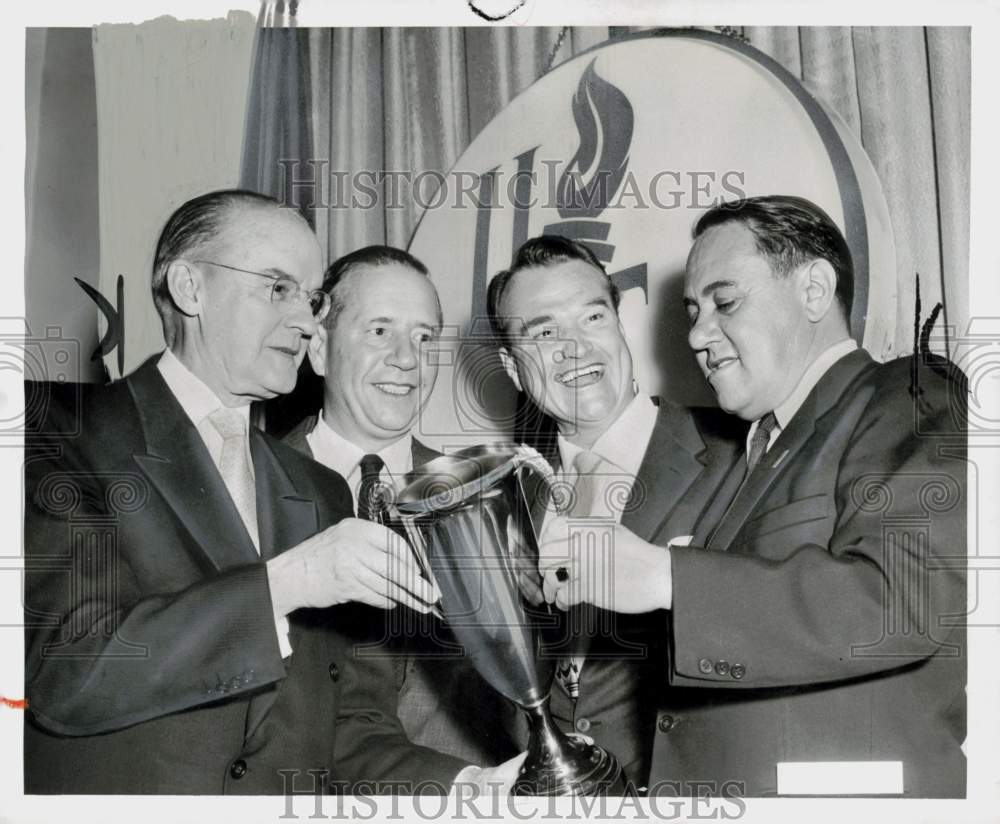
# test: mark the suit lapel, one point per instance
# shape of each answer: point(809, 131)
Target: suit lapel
point(675, 457)
point(284, 517)
point(422, 453)
point(800, 429)
point(296, 439)
point(178, 465)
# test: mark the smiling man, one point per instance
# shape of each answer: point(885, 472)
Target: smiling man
point(192, 585)
point(817, 637)
point(645, 463)
point(377, 377)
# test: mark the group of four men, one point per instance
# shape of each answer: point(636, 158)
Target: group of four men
point(206, 614)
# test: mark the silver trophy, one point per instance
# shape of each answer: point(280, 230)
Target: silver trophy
point(466, 516)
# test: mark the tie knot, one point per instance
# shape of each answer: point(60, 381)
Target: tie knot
point(230, 423)
point(766, 426)
point(586, 462)
point(371, 466)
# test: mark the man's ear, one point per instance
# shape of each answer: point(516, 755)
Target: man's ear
point(186, 284)
point(510, 367)
point(819, 284)
point(317, 351)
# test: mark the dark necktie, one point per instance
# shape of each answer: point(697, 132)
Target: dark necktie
point(370, 505)
point(760, 440)
point(758, 446)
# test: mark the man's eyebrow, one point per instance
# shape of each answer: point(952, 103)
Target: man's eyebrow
point(717, 284)
point(537, 320)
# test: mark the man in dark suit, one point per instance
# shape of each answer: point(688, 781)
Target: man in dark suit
point(181, 565)
point(817, 615)
point(643, 462)
point(377, 378)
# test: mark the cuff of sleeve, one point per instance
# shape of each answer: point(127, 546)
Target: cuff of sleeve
point(281, 627)
point(467, 777)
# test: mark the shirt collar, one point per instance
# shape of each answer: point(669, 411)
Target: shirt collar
point(786, 410)
point(194, 396)
point(339, 454)
point(624, 442)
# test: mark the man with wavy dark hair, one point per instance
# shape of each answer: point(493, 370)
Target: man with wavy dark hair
point(816, 616)
point(646, 463)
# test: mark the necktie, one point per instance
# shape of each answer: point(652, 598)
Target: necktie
point(760, 440)
point(584, 504)
point(235, 468)
point(587, 485)
point(758, 446)
point(370, 505)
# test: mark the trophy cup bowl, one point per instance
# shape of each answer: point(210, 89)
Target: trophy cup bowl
point(466, 517)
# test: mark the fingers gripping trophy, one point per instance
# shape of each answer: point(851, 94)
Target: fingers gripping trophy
point(466, 517)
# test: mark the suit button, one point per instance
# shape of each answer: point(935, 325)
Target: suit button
point(705, 666)
point(666, 723)
point(334, 672)
point(583, 724)
point(238, 768)
point(738, 671)
point(722, 668)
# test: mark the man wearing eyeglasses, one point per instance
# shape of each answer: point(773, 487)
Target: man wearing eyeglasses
point(180, 562)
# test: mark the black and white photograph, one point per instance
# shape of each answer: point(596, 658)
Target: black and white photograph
point(501, 409)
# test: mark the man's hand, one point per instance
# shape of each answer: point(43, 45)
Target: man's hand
point(353, 560)
point(497, 780)
point(625, 575)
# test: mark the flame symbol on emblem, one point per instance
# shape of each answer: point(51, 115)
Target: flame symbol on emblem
point(604, 121)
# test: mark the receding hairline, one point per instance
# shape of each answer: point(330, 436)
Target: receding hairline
point(349, 276)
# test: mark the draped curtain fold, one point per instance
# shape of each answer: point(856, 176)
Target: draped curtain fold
point(411, 100)
point(171, 105)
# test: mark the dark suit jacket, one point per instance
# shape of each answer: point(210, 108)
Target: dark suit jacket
point(689, 453)
point(152, 658)
point(823, 620)
point(443, 703)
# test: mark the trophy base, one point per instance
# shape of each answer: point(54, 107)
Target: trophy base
point(560, 764)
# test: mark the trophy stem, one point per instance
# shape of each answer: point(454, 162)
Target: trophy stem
point(559, 764)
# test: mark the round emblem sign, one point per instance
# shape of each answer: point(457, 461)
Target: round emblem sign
point(623, 148)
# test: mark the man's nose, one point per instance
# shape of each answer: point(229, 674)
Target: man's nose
point(703, 332)
point(299, 316)
point(576, 343)
point(403, 354)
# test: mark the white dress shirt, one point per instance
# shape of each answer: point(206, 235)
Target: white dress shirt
point(622, 446)
point(343, 457)
point(198, 402)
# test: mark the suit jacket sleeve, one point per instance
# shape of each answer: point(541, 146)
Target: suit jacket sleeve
point(795, 601)
point(373, 753)
point(101, 653)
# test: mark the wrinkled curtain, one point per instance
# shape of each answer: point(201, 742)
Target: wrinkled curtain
point(171, 103)
point(413, 99)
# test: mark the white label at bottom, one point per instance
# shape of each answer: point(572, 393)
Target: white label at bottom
point(840, 778)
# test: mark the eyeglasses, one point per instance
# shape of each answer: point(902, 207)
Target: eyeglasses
point(285, 290)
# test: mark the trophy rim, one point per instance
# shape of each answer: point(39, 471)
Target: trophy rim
point(452, 480)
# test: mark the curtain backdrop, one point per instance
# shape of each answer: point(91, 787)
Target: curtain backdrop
point(413, 99)
point(171, 105)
